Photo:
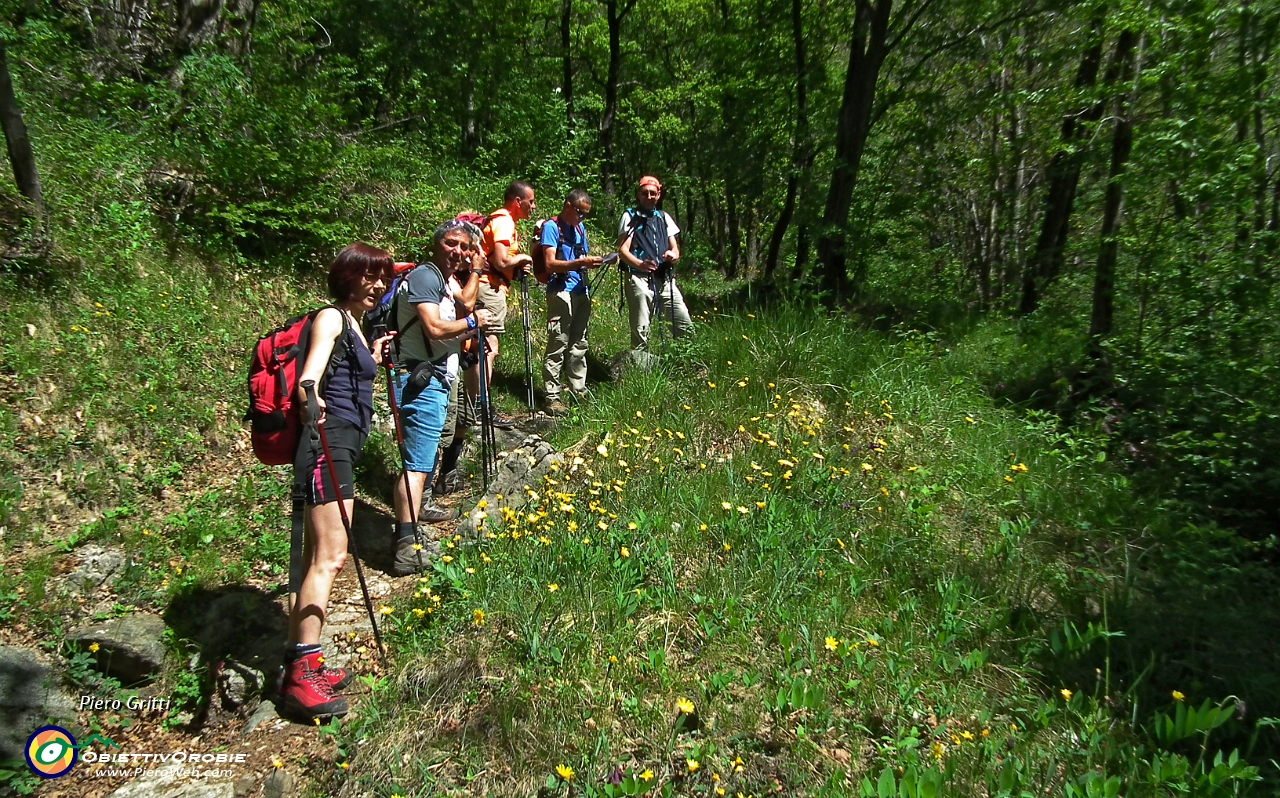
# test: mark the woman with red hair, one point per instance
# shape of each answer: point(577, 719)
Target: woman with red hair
point(343, 364)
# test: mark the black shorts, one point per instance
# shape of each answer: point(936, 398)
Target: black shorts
point(311, 478)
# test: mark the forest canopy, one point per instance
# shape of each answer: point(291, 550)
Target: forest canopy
point(1090, 189)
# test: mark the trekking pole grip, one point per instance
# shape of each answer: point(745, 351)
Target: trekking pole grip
point(313, 405)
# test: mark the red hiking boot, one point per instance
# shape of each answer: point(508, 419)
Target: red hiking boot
point(338, 678)
point(307, 693)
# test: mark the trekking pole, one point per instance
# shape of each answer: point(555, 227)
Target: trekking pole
point(404, 470)
point(488, 439)
point(528, 342)
point(655, 285)
point(317, 427)
point(671, 307)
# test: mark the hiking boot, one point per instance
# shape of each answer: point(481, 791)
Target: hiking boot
point(446, 484)
point(556, 408)
point(503, 421)
point(307, 693)
point(433, 514)
point(411, 557)
point(338, 678)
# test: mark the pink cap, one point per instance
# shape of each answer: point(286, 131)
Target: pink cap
point(650, 179)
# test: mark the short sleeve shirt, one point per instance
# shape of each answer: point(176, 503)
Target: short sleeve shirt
point(501, 229)
point(569, 243)
point(425, 285)
point(624, 225)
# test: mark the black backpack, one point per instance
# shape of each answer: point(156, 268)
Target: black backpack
point(648, 234)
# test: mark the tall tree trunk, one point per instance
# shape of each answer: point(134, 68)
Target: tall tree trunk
point(735, 236)
point(21, 158)
point(801, 159)
point(470, 130)
point(690, 212)
point(715, 226)
point(802, 253)
point(780, 228)
point(1064, 176)
point(868, 47)
point(1104, 280)
point(566, 55)
point(614, 16)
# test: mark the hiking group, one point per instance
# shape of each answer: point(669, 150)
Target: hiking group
point(311, 381)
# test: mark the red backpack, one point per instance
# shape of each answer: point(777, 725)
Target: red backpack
point(539, 254)
point(275, 423)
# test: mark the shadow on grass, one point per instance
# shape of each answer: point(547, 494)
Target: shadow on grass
point(1205, 625)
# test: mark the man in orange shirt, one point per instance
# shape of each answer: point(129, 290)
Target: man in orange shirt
point(501, 245)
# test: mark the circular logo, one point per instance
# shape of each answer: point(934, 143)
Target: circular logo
point(51, 751)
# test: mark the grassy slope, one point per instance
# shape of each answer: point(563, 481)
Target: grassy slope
point(122, 389)
point(877, 592)
point(826, 540)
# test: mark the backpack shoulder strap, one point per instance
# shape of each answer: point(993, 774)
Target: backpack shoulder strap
point(343, 340)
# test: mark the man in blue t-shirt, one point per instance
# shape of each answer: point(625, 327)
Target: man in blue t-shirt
point(564, 245)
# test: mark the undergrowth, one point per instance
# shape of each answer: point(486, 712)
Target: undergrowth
point(802, 559)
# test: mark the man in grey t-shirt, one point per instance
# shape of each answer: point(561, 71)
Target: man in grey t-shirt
point(427, 365)
point(648, 248)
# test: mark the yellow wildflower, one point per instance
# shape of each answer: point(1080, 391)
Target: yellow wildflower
point(624, 551)
point(832, 643)
point(1066, 694)
point(685, 706)
point(477, 617)
point(553, 587)
point(93, 647)
point(565, 772)
point(692, 764)
point(1178, 696)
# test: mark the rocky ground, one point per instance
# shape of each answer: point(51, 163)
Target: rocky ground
point(264, 753)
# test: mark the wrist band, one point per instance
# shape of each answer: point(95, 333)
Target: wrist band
point(471, 322)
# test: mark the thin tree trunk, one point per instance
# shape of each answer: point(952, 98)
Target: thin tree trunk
point(780, 228)
point(21, 157)
point(868, 47)
point(614, 16)
point(802, 253)
point(735, 236)
point(566, 55)
point(1064, 176)
point(802, 158)
point(1104, 281)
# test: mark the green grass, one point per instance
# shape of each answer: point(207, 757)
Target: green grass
point(910, 590)
point(829, 543)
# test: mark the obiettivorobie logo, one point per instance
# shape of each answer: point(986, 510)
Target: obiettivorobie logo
point(52, 751)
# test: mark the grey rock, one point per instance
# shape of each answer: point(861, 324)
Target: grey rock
point(95, 567)
point(244, 786)
point(171, 782)
point(629, 359)
point(266, 711)
point(238, 684)
point(29, 698)
point(280, 785)
point(523, 467)
point(131, 648)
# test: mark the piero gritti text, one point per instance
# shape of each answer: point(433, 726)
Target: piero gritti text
point(131, 704)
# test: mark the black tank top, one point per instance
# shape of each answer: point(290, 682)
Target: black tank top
point(349, 393)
